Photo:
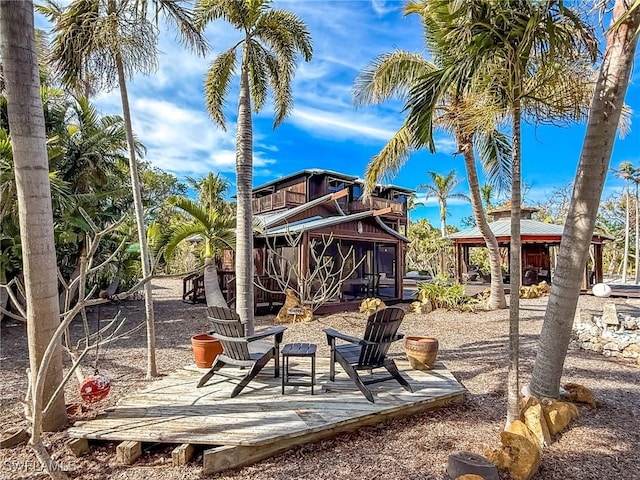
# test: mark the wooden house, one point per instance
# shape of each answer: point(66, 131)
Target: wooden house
point(314, 204)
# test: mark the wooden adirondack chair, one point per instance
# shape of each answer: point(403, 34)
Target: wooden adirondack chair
point(238, 351)
point(369, 352)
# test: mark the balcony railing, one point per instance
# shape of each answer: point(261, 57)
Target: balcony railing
point(278, 200)
point(373, 203)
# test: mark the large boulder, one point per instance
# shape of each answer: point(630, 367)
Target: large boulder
point(518, 455)
point(558, 415)
point(519, 428)
point(532, 416)
point(579, 394)
point(292, 310)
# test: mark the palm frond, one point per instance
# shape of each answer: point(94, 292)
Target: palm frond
point(217, 85)
point(389, 75)
point(494, 149)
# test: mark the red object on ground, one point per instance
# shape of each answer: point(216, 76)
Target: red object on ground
point(95, 388)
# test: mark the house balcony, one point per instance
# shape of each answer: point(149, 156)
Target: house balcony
point(278, 201)
point(373, 203)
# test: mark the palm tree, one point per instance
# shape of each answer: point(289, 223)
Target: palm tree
point(28, 137)
point(103, 42)
point(604, 116)
point(626, 171)
point(528, 56)
point(271, 41)
point(470, 121)
point(441, 188)
point(214, 227)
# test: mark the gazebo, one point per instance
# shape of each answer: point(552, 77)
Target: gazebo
point(539, 243)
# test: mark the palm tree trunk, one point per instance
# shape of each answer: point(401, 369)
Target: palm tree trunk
point(244, 184)
point(497, 298)
point(637, 260)
point(145, 258)
point(604, 116)
point(515, 273)
point(627, 234)
point(212, 292)
point(31, 169)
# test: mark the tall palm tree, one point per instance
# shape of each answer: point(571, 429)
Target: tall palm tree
point(28, 138)
point(271, 41)
point(472, 122)
point(441, 187)
point(104, 42)
point(529, 56)
point(604, 116)
point(626, 171)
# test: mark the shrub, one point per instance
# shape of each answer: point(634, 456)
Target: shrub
point(444, 295)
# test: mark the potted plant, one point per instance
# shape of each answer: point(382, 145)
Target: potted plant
point(205, 349)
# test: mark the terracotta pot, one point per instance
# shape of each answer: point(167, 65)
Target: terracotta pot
point(205, 350)
point(421, 352)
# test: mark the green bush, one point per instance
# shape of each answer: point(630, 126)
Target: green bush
point(444, 295)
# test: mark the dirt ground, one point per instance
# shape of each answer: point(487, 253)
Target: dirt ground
point(601, 444)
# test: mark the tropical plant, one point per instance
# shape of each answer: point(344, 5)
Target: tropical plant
point(26, 120)
point(427, 248)
point(441, 188)
point(470, 119)
point(604, 116)
point(445, 295)
point(102, 43)
point(271, 40)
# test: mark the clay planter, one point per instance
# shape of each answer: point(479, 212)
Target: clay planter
point(205, 350)
point(421, 351)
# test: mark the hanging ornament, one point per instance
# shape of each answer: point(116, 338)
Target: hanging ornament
point(95, 388)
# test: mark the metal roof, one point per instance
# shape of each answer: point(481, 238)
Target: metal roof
point(272, 218)
point(502, 228)
point(321, 222)
point(316, 222)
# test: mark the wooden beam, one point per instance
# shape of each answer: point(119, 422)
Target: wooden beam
point(339, 194)
point(78, 446)
point(128, 452)
point(182, 454)
point(382, 211)
point(225, 457)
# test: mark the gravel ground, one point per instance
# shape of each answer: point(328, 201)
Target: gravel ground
point(601, 444)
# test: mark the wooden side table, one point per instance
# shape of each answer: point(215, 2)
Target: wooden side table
point(298, 350)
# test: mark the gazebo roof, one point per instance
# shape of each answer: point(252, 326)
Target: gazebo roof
point(531, 231)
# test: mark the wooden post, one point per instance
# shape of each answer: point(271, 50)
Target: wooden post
point(128, 452)
point(182, 454)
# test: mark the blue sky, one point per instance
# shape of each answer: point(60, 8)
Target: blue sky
point(325, 130)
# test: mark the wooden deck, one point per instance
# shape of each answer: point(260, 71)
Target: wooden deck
point(261, 421)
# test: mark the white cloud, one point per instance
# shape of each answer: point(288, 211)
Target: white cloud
point(340, 124)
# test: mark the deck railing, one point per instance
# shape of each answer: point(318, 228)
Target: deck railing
point(373, 203)
point(278, 200)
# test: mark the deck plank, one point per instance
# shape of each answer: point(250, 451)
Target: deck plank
point(173, 410)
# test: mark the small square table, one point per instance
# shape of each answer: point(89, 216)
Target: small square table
point(298, 350)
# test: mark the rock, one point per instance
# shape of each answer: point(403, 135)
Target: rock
point(610, 314)
point(579, 394)
point(421, 307)
point(370, 306)
point(461, 464)
point(470, 476)
point(519, 428)
point(632, 351)
point(583, 318)
point(611, 346)
point(630, 323)
point(597, 347)
point(601, 290)
point(558, 415)
point(292, 310)
point(520, 457)
point(533, 417)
